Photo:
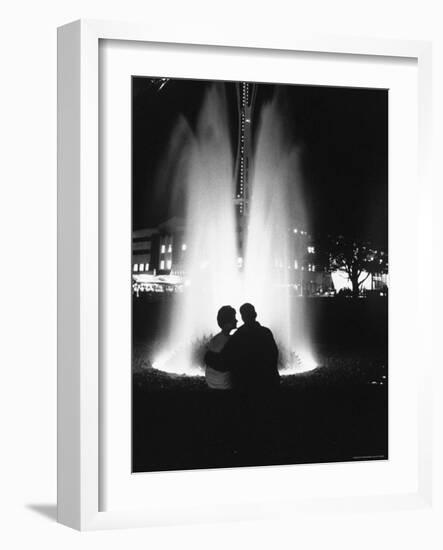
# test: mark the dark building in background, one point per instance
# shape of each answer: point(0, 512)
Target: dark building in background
point(160, 250)
point(142, 250)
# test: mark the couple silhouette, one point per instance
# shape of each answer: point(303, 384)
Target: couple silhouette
point(246, 360)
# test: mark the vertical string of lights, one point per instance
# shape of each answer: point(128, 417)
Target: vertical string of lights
point(246, 100)
point(246, 96)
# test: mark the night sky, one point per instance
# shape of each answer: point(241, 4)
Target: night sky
point(341, 133)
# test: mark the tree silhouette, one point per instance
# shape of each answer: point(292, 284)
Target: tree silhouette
point(358, 259)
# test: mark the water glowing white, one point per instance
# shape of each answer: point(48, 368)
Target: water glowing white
point(212, 263)
point(211, 255)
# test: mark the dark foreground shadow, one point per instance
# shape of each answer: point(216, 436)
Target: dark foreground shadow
point(183, 430)
point(48, 511)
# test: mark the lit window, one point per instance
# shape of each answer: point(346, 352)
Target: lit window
point(135, 267)
point(141, 267)
point(183, 246)
point(170, 248)
point(311, 249)
point(168, 264)
point(295, 264)
point(162, 264)
point(147, 267)
point(313, 268)
point(295, 230)
point(163, 249)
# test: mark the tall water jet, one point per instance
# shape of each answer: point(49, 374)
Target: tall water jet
point(275, 208)
point(212, 277)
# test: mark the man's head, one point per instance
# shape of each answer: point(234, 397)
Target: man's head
point(226, 318)
point(248, 313)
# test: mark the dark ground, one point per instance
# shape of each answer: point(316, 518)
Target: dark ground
point(339, 412)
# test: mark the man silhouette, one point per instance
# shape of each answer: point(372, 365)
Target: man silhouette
point(250, 355)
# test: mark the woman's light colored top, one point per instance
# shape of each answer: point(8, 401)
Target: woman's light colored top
point(218, 380)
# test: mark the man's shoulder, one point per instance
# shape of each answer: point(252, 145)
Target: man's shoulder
point(264, 330)
point(255, 328)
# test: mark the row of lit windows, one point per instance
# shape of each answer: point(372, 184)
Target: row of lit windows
point(140, 267)
point(163, 248)
point(168, 264)
point(311, 267)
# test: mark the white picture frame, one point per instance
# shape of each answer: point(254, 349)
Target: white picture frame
point(79, 204)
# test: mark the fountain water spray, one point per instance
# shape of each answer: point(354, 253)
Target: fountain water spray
point(212, 265)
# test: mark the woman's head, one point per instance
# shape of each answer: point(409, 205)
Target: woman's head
point(226, 318)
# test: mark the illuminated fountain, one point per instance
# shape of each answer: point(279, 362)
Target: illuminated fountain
point(212, 271)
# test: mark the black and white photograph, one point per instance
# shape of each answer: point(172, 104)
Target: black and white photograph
point(259, 274)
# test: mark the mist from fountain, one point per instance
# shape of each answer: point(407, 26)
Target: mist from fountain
point(213, 276)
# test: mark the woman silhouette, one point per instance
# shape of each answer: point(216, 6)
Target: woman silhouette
point(227, 321)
